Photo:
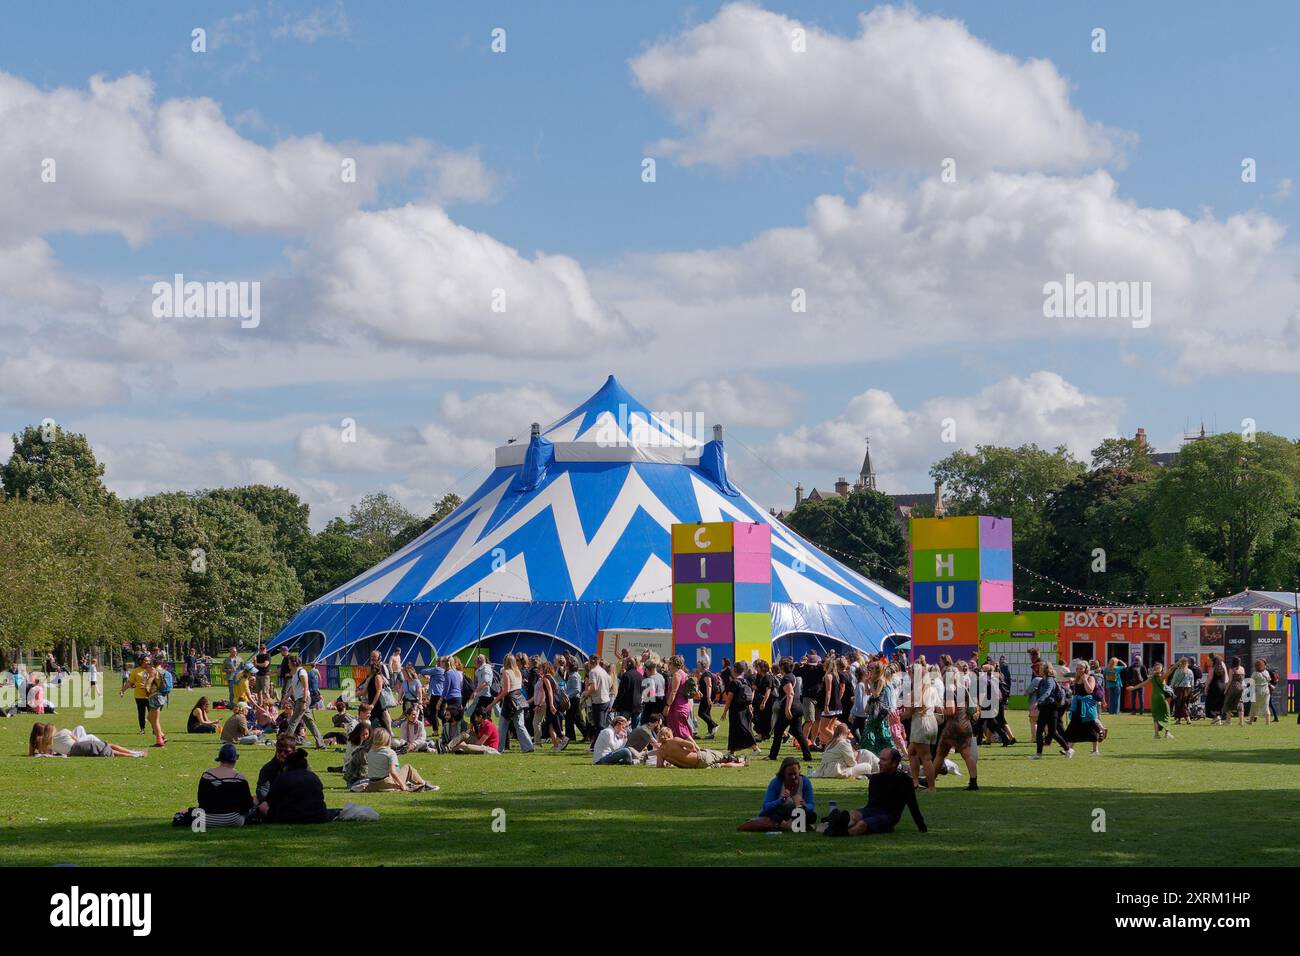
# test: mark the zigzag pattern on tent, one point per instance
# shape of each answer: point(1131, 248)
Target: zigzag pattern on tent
point(568, 537)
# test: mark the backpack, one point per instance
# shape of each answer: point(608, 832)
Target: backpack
point(1058, 695)
point(560, 697)
point(689, 688)
point(746, 692)
point(168, 682)
point(495, 685)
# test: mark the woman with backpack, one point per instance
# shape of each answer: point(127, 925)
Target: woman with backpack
point(513, 706)
point(737, 701)
point(1049, 697)
point(158, 682)
point(378, 694)
point(874, 699)
point(1084, 724)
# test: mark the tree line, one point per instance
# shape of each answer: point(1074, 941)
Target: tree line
point(81, 567)
point(1223, 516)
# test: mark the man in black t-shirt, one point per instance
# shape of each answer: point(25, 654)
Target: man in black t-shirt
point(888, 793)
point(262, 670)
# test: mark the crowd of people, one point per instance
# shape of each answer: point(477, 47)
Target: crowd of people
point(889, 721)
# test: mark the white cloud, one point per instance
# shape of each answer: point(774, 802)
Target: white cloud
point(500, 414)
point(902, 271)
point(735, 401)
point(1041, 407)
point(30, 273)
point(36, 379)
point(316, 25)
point(413, 276)
point(127, 164)
point(906, 92)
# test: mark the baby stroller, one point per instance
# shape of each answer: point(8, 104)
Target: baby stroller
point(1196, 703)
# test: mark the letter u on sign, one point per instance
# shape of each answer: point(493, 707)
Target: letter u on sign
point(945, 597)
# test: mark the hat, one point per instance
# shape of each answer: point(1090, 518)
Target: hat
point(228, 753)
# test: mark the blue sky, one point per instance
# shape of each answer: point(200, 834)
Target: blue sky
point(552, 133)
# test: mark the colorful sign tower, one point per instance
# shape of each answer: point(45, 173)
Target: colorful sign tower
point(960, 569)
point(722, 591)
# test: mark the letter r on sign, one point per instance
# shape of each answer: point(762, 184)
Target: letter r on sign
point(702, 599)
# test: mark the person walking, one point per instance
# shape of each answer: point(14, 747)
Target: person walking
point(513, 706)
point(1181, 681)
point(1083, 711)
point(1262, 680)
point(704, 681)
point(300, 694)
point(158, 683)
point(379, 693)
point(788, 713)
point(1160, 695)
point(1049, 697)
point(737, 702)
point(599, 694)
point(1216, 689)
point(677, 705)
point(1232, 697)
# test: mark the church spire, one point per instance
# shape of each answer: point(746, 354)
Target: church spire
point(867, 476)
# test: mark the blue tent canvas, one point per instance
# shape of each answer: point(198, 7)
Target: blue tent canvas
point(568, 536)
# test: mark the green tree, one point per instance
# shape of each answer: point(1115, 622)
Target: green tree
point(377, 520)
point(1123, 454)
point(1219, 511)
point(336, 556)
point(1104, 509)
point(1016, 483)
point(50, 464)
point(281, 512)
point(445, 506)
point(860, 530)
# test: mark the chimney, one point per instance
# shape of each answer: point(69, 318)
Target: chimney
point(938, 499)
point(798, 494)
point(1141, 439)
point(841, 487)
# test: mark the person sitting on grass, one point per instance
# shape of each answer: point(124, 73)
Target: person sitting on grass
point(385, 772)
point(284, 745)
point(483, 738)
point(888, 792)
point(199, 722)
point(789, 798)
point(342, 720)
point(224, 796)
point(236, 729)
point(355, 764)
point(414, 738)
point(841, 760)
point(296, 795)
point(46, 740)
point(645, 738)
point(611, 745)
point(688, 755)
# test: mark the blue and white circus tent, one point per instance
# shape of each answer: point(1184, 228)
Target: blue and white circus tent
point(568, 536)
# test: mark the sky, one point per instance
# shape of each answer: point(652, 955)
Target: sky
point(812, 223)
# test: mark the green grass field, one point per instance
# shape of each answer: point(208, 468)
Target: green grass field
point(1212, 796)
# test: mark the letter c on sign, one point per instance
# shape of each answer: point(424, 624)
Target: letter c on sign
point(701, 542)
point(700, 632)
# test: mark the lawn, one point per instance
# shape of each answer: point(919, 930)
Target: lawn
point(1212, 796)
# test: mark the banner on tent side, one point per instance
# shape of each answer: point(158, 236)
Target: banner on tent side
point(610, 644)
point(722, 592)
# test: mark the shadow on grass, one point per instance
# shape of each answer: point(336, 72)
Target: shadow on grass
point(695, 826)
point(1277, 756)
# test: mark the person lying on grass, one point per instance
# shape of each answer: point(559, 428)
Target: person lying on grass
point(789, 798)
point(688, 755)
point(48, 741)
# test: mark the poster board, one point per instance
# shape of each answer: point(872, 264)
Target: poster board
point(610, 644)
